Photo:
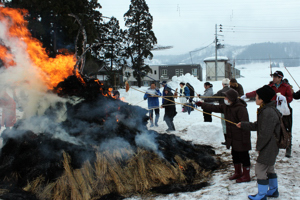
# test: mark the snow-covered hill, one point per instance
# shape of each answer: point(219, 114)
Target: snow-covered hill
point(191, 127)
point(287, 53)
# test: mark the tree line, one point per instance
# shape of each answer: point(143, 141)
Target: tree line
point(51, 22)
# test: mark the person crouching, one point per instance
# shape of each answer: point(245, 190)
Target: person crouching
point(235, 111)
point(170, 109)
point(268, 128)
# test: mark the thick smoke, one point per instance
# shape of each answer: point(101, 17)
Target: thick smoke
point(45, 112)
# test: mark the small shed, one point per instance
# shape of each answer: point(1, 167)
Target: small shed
point(224, 69)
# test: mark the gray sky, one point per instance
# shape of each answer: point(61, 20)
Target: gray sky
point(190, 24)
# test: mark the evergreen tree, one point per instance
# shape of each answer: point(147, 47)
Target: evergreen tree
point(49, 22)
point(114, 48)
point(140, 37)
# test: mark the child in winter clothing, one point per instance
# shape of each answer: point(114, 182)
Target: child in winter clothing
point(235, 111)
point(170, 109)
point(153, 104)
point(268, 128)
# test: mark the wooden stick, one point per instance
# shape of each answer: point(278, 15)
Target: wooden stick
point(190, 107)
point(221, 97)
point(292, 77)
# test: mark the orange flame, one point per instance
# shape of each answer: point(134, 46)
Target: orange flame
point(181, 167)
point(55, 69)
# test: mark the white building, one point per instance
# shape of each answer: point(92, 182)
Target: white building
point(224, 69)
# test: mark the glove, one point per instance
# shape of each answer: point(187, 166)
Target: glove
point(199, 103)
point(243, 97)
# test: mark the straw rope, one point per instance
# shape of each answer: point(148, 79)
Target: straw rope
point(188, 106)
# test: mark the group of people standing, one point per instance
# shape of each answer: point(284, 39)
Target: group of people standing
point(268, 127)
point(236, 125)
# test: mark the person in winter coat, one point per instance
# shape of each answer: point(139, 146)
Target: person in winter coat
point(234, 110)
point(220, 93)
point(165, 85)
point(192, 92)
point(153, 104)
point(286, 92)
point(184, 94)
point(268, 129)
point(207, 92)
point(236, 86)
point(170, 109)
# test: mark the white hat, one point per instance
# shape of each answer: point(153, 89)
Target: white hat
point(225, 81)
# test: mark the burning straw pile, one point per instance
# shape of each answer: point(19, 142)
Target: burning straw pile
point(101, 147)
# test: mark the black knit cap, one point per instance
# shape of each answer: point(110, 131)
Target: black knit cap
point(266, 93)
point(232, 95)
point(278, 74)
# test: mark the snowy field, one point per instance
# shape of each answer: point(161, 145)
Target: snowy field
point(191, 127)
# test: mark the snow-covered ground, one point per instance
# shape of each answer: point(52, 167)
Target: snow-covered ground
point(191, 127)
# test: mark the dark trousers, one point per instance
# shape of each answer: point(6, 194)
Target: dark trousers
point(241, 157)
point(207, 118)
point(169, 121)
point(156, 115)
point(288, 121)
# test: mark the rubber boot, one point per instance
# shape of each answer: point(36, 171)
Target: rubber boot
point(288, 152)
point(246, 175)
point(273, 186)
point(237, 172)
point(262, 186)
point(156, 119)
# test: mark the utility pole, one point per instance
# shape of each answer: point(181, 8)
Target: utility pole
point(216, 56)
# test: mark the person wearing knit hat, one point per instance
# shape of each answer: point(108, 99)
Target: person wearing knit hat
point(268, 129)
point(220, 93)
point(234, 110)
point(284, 91)
point(225, 81)
point(170, 109)
point(266, 93)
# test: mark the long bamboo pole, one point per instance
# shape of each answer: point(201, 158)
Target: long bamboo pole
point(291, 76)
point(189, 106)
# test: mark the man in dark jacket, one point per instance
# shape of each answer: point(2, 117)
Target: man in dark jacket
point(236, 86)
point(170, 109)
point(268, 129)
point(284, 89)
point(234, 110)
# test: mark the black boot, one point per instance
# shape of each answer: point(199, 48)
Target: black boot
point(288, 152)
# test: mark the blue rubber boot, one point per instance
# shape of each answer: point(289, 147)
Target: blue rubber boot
point(273, 186)
point(263, 186)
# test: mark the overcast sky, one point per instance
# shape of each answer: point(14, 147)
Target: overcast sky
point(190, 24)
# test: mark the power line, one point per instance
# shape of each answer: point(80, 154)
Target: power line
point(267, 58)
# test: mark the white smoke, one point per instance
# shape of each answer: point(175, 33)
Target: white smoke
point(24, 83)
point(147, 140)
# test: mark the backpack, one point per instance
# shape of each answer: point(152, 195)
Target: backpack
point(285, 136)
